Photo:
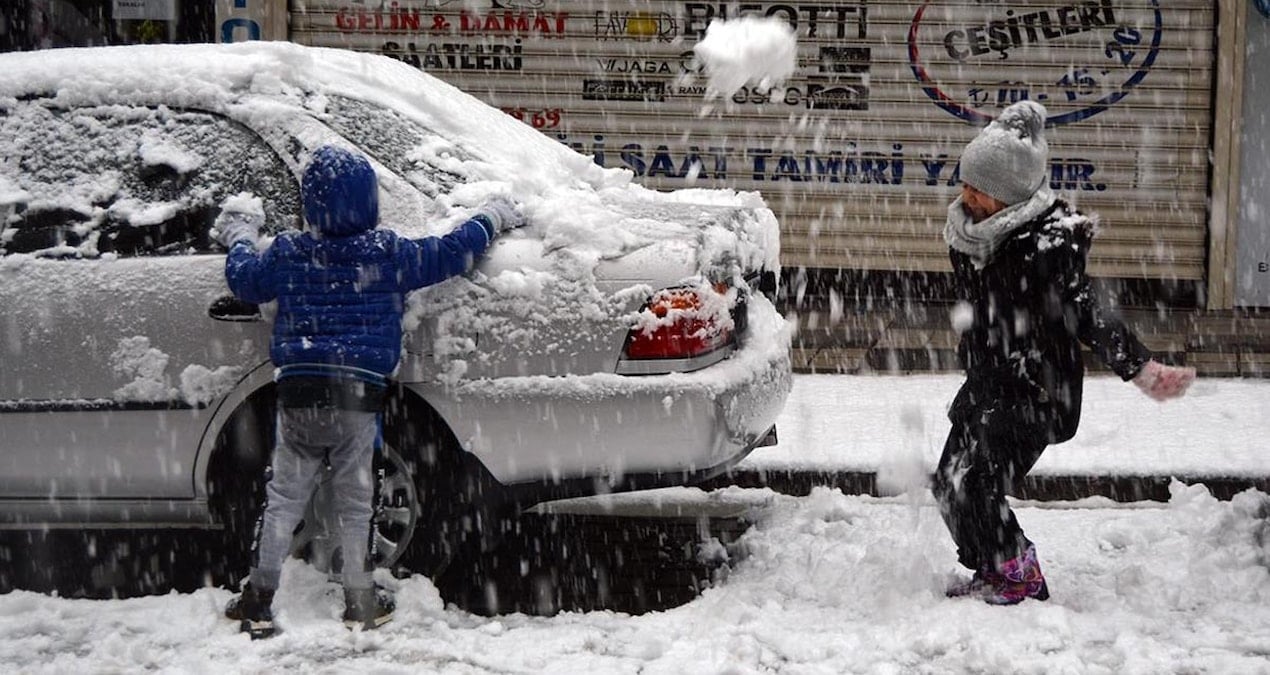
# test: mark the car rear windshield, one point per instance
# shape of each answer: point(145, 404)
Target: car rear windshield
point(431, 163)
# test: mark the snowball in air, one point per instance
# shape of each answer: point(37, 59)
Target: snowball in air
point(762, 50)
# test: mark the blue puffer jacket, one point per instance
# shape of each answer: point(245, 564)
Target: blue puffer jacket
point(341, 293)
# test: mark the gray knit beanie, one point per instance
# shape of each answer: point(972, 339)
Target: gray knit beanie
point(1009, 159)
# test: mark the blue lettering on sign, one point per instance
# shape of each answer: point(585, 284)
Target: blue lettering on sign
point(1073, 173)
point(998, 37)
point(228, 26)
point(827, 166)
point(692, 164)
point(774, 165)
point(227, 29)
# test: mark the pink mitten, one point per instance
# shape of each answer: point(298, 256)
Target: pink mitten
point(1162, 382)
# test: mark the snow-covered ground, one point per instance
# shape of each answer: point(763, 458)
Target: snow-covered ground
point(827, 584)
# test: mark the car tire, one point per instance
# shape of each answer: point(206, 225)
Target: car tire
point(462, 509)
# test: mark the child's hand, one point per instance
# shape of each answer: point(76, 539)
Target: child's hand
point(1162, 382)
point(503, 214)
point(240, 218)
point(236, 228)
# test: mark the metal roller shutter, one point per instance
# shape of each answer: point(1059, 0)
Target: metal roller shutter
point(857, 153)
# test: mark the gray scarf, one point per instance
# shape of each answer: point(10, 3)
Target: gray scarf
point(981, 240)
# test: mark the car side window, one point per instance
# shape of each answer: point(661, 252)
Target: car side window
point(129, 180)
point(394, 140)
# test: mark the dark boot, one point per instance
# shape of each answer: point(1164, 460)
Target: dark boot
point(1018, 579)
point(253, 610)
point(369, 608)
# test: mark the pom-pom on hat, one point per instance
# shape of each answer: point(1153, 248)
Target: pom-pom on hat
point(1009, 159)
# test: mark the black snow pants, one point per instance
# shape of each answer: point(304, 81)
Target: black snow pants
point(981, 464)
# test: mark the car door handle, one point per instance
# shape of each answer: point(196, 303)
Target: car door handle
point(229, 308)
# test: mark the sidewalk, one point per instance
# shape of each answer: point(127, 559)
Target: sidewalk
point(918, 339)
point(883, 434)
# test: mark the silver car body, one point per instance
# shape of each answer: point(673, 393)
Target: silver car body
point(116, 381)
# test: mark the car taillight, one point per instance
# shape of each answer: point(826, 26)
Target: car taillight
point(679, 323)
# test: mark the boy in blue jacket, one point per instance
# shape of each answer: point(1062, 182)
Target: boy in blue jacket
point(341, 291)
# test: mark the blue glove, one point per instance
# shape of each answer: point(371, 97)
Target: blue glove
point(502, 214)
point(240, 219)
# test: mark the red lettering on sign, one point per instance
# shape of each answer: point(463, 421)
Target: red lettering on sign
point(546, 25)
point(397, 20)
point(548, 118)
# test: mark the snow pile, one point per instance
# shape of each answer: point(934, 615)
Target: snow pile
point(201, 385)
point(155, 152)
point(568, 198)
point(145, 368)
point(748, 49)
point(135, 360)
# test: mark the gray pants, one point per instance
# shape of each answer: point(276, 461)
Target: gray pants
point(308, 440)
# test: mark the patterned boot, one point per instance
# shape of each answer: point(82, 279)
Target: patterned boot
point(1018, 579)
point(976, 585)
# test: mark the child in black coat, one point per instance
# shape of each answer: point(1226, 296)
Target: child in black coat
point(1025, 307)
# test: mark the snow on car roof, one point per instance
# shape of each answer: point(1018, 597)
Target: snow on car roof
point(586, 217)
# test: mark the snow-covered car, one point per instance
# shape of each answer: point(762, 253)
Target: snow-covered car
point(624, 339)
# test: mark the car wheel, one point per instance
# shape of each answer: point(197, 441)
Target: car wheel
point(460, 507)
point(396, 507)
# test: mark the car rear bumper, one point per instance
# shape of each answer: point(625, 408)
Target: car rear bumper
point(609, 428)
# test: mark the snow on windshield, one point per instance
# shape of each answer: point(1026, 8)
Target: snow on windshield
point(264, 85)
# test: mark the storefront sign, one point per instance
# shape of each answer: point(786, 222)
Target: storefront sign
point(857, 151)
point(240, 20)
point(1084, 56)
point(144, 10)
